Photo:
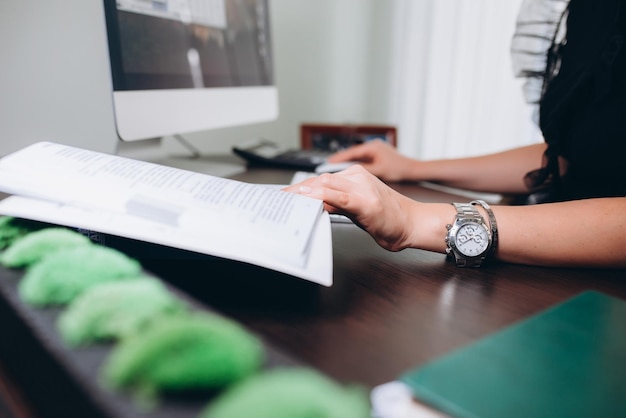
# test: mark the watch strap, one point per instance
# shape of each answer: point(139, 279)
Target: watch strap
point(467, 211)
point(493, 225)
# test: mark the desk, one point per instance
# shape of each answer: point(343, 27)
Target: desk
point(386, 312)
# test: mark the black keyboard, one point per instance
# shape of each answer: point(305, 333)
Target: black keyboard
point(268, 153)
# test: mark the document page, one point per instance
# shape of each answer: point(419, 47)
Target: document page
point(229, 214)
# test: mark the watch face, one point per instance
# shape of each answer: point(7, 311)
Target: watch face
point(472, 239)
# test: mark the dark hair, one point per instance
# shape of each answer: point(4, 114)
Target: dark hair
point(583, 105)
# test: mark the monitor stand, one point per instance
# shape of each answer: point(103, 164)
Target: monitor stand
point(151, 150)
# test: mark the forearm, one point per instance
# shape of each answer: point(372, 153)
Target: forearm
point(583, 233)
point(501, 172)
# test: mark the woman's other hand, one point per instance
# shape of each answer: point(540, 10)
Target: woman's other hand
point(379, 158)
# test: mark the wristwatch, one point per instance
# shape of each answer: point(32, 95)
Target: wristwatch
point(470, 240)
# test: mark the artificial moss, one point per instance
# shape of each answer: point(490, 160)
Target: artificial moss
point(201, 351)
point(114, 310)
point(62, 275)
point(290, 393)
point(32, 247)
point(12, 228)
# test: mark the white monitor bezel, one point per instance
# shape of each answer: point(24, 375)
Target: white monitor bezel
point(143, 114)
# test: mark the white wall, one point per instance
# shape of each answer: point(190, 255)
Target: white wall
point(55, 81)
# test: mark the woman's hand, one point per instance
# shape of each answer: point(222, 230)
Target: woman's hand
point(381, 211)
point(501, 172)
point(379, 158)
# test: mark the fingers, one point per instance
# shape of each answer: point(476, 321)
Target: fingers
point(337, 190)
point(361, 152)
point(303, 187)
point(333, 189)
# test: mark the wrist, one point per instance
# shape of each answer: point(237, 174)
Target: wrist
point(429, 225)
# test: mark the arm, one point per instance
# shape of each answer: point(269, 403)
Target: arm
point(589, 233)
point(501, 172)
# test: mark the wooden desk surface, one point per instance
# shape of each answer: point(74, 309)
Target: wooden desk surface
point(386, 312)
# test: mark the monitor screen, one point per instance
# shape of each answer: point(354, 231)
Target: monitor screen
point(181, 66)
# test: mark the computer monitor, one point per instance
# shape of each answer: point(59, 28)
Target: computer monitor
point(181, 66)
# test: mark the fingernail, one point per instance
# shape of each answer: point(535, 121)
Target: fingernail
point(305, 189)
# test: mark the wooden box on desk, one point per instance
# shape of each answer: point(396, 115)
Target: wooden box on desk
point(334, 137)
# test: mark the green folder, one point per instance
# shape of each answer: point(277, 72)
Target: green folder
point(567, 361)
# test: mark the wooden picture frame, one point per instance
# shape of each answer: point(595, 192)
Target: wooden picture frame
point(334, 137)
